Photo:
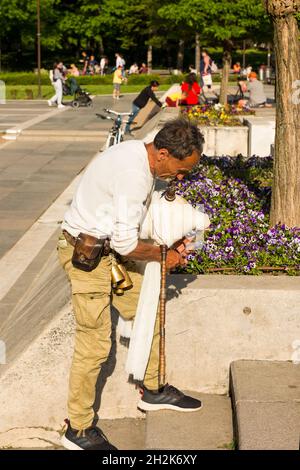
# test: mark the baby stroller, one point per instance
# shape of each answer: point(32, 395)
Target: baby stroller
point(81, 97)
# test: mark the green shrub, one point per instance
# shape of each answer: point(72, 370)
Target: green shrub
point(143, 79)
point(30, 78)
point(24, 78)
point(174, 79)
point(94, 79)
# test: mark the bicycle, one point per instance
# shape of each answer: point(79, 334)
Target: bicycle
point(116, 133)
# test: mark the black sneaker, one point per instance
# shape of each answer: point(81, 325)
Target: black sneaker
point(91, 438)
point(167, 398)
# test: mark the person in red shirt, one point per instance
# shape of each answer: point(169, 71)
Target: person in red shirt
point(192, 90)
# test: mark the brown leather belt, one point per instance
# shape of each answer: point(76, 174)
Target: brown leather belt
point(72, 240)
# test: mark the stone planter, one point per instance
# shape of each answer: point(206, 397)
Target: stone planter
point(220, 141)
point(261, 135)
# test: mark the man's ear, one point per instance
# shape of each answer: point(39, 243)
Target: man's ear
point(162, 154)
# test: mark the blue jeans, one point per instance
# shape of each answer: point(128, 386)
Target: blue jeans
point(134, 111)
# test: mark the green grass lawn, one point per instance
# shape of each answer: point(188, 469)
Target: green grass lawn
point(29, 91)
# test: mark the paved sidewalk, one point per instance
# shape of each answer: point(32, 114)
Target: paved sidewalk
point(16, 112)
point(34, 172)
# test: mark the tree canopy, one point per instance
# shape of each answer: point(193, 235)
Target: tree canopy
point(106, 26)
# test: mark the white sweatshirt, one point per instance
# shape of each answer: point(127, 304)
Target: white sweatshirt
point(110, 199)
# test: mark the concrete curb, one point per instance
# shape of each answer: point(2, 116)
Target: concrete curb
point(266, 404)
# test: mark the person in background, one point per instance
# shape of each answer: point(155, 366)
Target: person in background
point(191, 89)
point(103, 65)
point(175, 99)
point(257, 97)
point(85, 60)
point(73, 70)
point(141, 100)
point(248, 70)
point(143, 68)
point(117, 80)
point(192, 69)
point(118, 60)
point(206, 70)
point(57, 77)
point(237, 68)
point(92, 65)
point(134, 68)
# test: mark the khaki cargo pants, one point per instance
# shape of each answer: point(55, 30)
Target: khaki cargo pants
point(91, 298)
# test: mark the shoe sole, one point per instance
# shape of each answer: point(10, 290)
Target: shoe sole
point(142, 405)
point(69, 444)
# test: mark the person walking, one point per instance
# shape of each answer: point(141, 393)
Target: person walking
point(148, 93)
point(103, 222)
point(206, 70)
point(57, 77)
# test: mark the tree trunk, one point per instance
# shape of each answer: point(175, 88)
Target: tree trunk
point(285, 207)
point(149, 59)
point(197, 52)
point(244, 54)
point(169, 58)
point(101, 47)
point(225, 73)
point(180, 55)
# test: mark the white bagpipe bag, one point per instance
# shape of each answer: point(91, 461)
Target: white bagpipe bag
point(165, 223)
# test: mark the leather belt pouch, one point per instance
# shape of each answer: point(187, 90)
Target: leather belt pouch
point(88, 251)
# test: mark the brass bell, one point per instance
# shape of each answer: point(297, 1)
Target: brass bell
point(127, 282)
point(116, 274)
point(119, 291)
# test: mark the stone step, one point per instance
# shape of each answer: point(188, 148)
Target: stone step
point(207, 429)
point(266, 403)
point(125, 434)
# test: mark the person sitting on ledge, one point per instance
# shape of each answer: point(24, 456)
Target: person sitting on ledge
point(257, 98)
point(174, 99)
point(191, 90)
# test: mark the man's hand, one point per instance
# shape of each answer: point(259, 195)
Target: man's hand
point(146, 252)
point(180, 246)
point(175, 259)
